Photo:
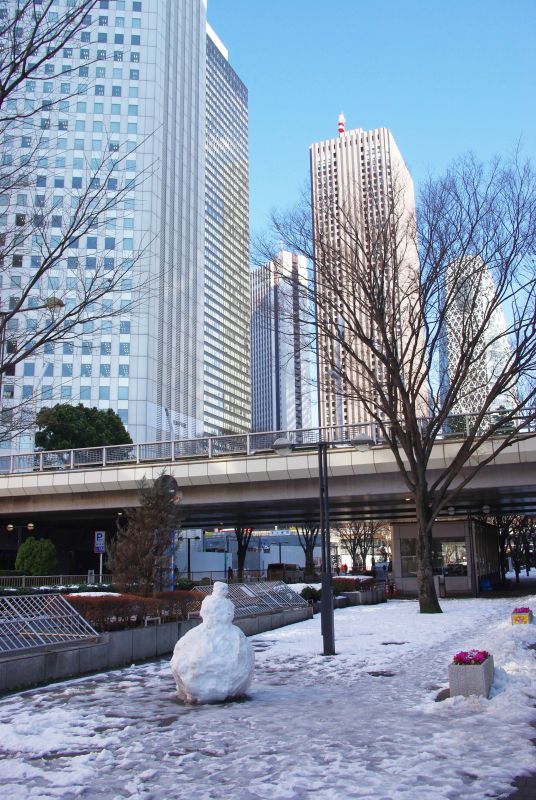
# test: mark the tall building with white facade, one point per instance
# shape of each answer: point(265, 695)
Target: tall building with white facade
point(227, 380)
point(281, 359)
point(136, 89)
point(358, 180)
point(472, 294)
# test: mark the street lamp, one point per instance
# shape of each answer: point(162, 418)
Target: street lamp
point(189, 552)
point(280, 545)
point(284, 447)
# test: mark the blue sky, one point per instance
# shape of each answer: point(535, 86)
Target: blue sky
point(446, 76)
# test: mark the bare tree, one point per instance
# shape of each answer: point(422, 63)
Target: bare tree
point(48, 292)
point(307, 537)
point(243, 538)
point(520, 543)
point(406, 317)
point(359, 537)
point(140, 555)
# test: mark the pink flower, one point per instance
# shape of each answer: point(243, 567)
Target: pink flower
point(470, 657)
point(521, 611)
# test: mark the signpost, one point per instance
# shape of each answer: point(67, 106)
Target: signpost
point(100, 548)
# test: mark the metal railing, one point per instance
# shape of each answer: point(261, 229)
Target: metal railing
point(245, 444)
point(38, 620)
point(259, 598)
point(49, 581)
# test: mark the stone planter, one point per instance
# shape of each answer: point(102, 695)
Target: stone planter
point(523, 618)
point(340, 602)
point(468, 679)
point(367, 597)
point(352, 598)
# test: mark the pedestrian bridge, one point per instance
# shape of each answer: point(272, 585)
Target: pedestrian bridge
point(240, 480)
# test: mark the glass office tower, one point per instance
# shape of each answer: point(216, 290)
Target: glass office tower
point(227, 381)
point(133, 89)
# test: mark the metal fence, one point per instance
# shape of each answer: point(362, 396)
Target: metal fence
point(39, 620)
point(259, 598)
point(247, 444)
point(49, 581)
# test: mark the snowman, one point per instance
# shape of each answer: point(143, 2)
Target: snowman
point(214, 661)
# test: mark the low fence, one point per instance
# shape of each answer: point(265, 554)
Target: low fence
point(50, 581)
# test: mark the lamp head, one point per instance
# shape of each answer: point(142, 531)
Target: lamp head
point(362, 441)
point(283, 446)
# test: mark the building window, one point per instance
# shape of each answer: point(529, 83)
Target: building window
point(104, 392)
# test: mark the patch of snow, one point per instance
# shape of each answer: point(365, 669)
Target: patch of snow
point(94, 594)
point(362, 724)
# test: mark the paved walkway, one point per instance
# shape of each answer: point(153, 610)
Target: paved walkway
point(526, 786)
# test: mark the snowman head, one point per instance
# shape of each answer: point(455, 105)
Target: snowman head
point(217, 609)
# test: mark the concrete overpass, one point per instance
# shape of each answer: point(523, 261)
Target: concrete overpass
point(257, 489)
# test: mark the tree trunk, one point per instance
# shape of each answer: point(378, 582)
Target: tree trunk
point(241, 560)
point(309, 571)
point(428, 602)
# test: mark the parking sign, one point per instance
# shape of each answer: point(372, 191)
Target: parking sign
point(100, 542)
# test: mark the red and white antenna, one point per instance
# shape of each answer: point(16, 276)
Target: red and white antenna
point(341, 124)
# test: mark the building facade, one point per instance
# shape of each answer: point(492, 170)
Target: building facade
point(227, 379)
point(151, 103)
point(472, 311)
point(359, 181)
point(281, 357)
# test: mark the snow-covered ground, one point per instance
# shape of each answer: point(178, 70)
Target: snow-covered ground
point(362, 724)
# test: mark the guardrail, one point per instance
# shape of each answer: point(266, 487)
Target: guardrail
point(50, 581)
point(243, 444)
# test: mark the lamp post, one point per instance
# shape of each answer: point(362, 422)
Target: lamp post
point(189, 552)
point(284, 447)
point(280, 545)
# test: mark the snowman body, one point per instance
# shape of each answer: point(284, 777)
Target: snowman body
point(214, 661)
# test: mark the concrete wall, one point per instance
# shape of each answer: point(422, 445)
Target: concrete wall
point(118, 649)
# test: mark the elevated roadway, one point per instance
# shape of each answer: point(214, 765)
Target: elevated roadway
point(263, 489)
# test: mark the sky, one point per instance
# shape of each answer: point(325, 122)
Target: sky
point(361, 724)
point(447, 78)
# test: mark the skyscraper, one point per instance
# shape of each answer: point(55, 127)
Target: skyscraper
point(472, 312)
point(227, 380)
point(172, 355)
point(359, 180)
point(281, 359)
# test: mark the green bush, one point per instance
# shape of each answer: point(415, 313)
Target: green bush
point(36, 557)
point(309, 593)
point(9, 573)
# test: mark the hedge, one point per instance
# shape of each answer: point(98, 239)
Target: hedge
point(127, 610)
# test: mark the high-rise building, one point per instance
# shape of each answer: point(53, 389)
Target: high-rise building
point(147, 89)
point(359, 180)
point(227, 380)
point(472, 295)
point(281, 359)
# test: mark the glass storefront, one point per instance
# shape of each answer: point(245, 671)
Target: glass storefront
point(449, 557)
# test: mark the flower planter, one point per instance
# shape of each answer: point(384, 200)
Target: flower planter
point(468, 679)
point(522, 617)
point(353, 598)
point(340, 602)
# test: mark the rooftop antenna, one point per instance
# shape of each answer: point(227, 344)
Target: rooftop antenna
point(341, 124)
